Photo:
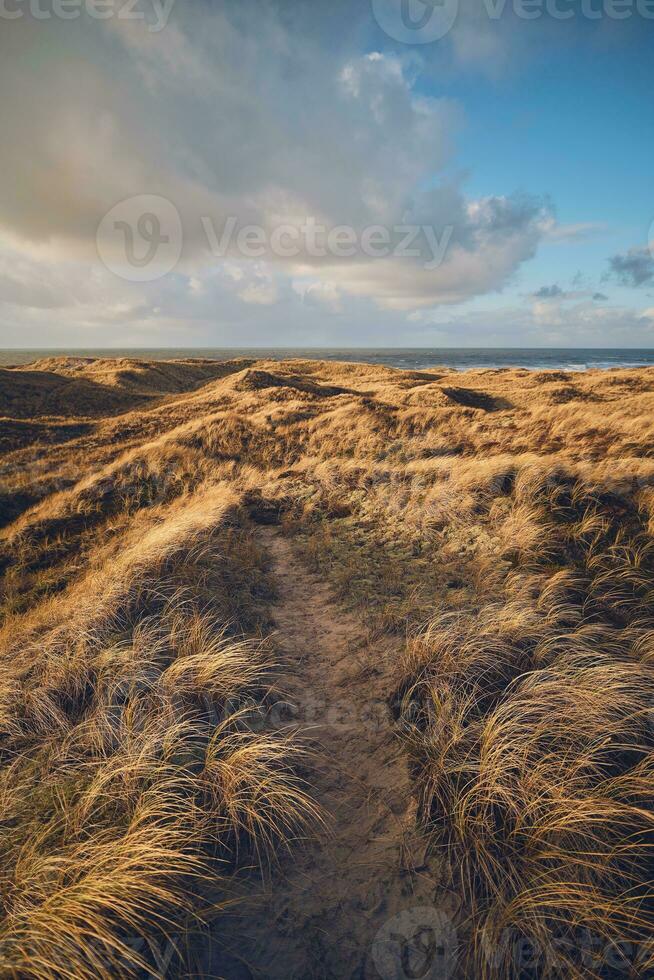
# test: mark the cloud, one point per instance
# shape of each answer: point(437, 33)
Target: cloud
point(320, 294)
point(633, 268)
point(580, 231)
point(259, 287)
point(556, 293)
point(228, 305)
point(580, 324)
point(245, 112)
point(549, 292)
point(270, 113)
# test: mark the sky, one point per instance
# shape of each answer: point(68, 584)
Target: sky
point(408, 173)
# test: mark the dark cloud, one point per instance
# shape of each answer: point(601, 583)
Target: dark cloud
point(633, 268)
point(549, 292)
point(600, 297)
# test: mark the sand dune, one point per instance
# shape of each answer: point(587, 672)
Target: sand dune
point(215, 574)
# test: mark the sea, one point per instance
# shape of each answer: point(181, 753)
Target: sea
point(409, 358)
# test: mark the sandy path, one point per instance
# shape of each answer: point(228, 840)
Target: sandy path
point(327, 903)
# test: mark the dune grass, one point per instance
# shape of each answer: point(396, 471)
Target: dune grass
point(528, 719)
point(131, 778)
point(502, 521)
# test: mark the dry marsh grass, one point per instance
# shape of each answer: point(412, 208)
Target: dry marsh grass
point(502, 520)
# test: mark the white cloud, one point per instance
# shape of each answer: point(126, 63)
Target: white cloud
point(234, 111)
point(580, 231)
point(261, 289)
point(551, 323)
point(269, 112)
point(320, 294)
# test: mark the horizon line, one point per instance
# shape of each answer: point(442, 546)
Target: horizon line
point(375, 347)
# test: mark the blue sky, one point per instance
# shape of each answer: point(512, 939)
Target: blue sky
point(520, 152)
point(574, 120)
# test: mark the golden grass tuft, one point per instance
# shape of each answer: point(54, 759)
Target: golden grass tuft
point(530, 728)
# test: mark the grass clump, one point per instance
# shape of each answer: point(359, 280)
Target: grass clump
point(528, 722)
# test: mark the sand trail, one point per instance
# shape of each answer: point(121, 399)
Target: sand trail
point(323, 910)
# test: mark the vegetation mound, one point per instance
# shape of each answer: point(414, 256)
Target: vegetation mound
point(97, 387)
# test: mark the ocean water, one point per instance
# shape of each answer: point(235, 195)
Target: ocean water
point(568, 359)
